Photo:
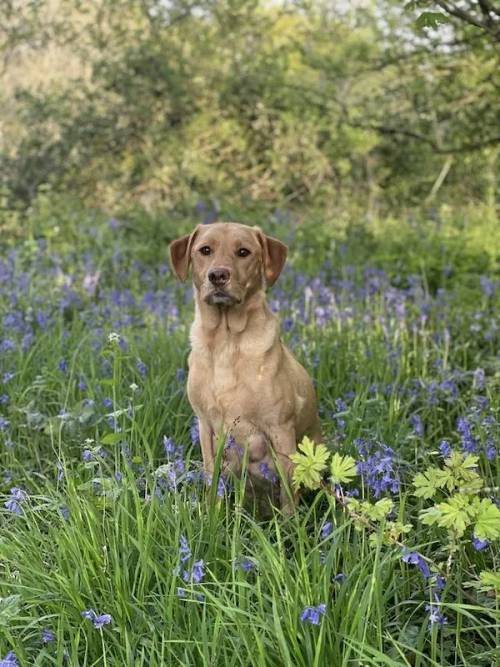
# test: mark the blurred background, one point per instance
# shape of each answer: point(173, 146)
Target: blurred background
point(347, 111)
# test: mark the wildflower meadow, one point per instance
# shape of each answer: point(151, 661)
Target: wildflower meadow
point(116, 550)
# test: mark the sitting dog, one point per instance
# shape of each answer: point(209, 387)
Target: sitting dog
point(243, 382)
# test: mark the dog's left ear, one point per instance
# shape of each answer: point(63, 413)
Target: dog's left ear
point(274, 253)
point(180, 254)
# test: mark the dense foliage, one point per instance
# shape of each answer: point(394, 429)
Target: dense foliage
point(114, 549)
point(377, 105)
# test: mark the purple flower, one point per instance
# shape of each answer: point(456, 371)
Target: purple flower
point(418, 424)
point(246, 565)
point(142, 368)
point(313, 615)
point(445, 449)
point(478, 379)
point(184, 550)
point(490, 450)
point(326, 530)
point(479, 545)
point(267, 473)
point(339, 578)
point(47, 636)
point(197, 573)
point(4, 424)
point(469, 443)
point(10, 660)
point(17, 496)
point(414, 558)
point(195, 431)
point(378, 470)
point(99, 621)
point(168, 446)
point(63, 365)
point(7, 377)
point(435, 616)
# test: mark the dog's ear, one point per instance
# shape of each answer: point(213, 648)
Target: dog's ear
point(180, 254)
point(274, 254)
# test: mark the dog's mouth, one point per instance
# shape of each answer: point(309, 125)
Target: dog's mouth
point(220, 297)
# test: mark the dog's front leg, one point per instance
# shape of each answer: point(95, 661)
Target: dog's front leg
point(207, 446)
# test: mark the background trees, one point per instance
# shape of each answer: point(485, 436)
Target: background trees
point(372, 104)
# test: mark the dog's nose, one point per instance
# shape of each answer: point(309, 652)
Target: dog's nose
point(219, 276)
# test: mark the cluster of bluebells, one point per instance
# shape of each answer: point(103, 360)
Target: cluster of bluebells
point(10, 660)
point(190, 571)
point(436, 582)
point(16, 500)
point(378, 467)
point(98, 620)
point(313, 615)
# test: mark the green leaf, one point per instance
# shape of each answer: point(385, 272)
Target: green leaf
point(112, 438)
point(310, 464)
point(490, 580)
point(9, 608)
point(426, 483)
point(342, 469)
point(431, 20)
point(487, 526)
point(456, 514)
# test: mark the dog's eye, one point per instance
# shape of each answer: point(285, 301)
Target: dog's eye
point(205, 250)
point(243, 252)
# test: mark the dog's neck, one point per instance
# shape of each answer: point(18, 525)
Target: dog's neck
point(235, 319)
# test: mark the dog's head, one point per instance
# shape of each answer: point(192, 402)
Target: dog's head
point(229, 261)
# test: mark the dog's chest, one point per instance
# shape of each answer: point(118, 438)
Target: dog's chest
point(229, 377)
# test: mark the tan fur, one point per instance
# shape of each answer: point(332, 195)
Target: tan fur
point(242, 380)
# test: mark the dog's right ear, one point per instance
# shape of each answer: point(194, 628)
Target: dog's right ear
point(180, 254)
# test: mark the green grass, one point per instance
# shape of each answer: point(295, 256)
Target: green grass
point(118, 550)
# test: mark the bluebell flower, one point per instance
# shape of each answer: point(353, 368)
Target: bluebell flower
point(184, 550)
point(180, 375)
point(98, 620)
point(7, 377)
point(142, 368)
point(267, 472)
point(108, 403)
point(4, 399)
point(418, 424)
point(197, 572)
point(47, 636)
point(4, 424)
point(378, 470)
point(435, 616)
point(63, 365)
point(490, 450)
point(478, 379)
point(326, 530)
point(195, 431)
point(313, 615)
point(246, 564)
point(469, 442)
point(10, 660)
point(414, 558)
point(445, 449)
point(478, 544)
point(169, 446)
point(64, 512)
point(339, 578)
point(17, 497)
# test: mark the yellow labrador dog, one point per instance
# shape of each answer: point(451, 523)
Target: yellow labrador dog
point(243, 381)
